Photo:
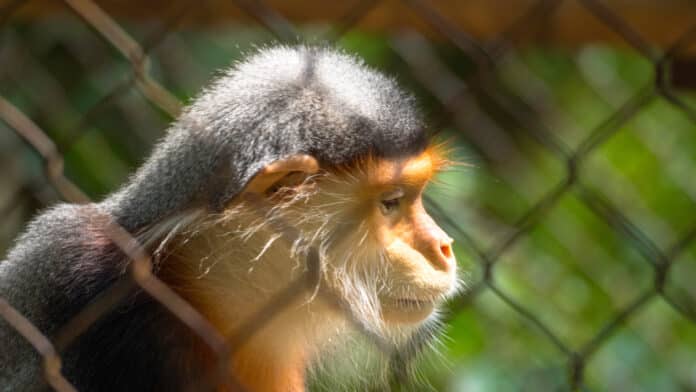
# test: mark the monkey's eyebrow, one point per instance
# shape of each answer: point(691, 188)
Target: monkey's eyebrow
point(393, 194)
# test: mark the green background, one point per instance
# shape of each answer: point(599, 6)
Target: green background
point(572, 264)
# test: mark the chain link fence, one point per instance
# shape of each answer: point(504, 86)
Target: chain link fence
point(89, 93)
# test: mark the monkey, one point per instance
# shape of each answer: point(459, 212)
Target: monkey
point(294, 153)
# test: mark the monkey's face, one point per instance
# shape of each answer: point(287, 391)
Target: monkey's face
point(394, 260)
point(381, 254)
point(420, 264)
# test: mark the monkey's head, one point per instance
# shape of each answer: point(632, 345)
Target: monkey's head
point(298, 150)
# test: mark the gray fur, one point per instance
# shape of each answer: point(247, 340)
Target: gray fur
point(281, 101)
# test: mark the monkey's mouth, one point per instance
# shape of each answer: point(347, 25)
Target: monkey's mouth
point(410, 303)
point(406, 310)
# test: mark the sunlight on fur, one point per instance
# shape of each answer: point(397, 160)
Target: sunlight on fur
point(244, 255)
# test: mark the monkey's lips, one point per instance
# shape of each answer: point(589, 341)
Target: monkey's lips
point(406, 310)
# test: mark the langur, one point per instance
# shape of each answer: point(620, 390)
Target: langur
point(293, 151)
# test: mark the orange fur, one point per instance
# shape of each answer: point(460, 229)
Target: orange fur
point(377, 170)
point(229, 274)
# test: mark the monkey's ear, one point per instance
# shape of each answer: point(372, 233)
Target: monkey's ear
point(275, 171)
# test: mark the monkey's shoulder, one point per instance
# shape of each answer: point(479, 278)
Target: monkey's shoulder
point(61, 244)
point(61, 227)
point(55, 268)
point(62, 262)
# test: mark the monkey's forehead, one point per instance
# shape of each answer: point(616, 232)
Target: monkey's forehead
point(414, 171)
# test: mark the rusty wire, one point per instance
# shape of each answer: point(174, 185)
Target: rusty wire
point(460, 92)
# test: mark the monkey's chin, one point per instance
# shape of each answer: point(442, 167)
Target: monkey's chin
point(406, 311)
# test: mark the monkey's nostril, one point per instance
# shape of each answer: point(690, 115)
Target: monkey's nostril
point(446, 250)
point(445, 256)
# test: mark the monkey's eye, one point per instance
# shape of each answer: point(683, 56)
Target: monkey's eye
point(390, 201)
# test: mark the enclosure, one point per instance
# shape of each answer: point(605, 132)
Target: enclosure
point(573, 209)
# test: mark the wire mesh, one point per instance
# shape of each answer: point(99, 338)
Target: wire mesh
point(463, 102)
